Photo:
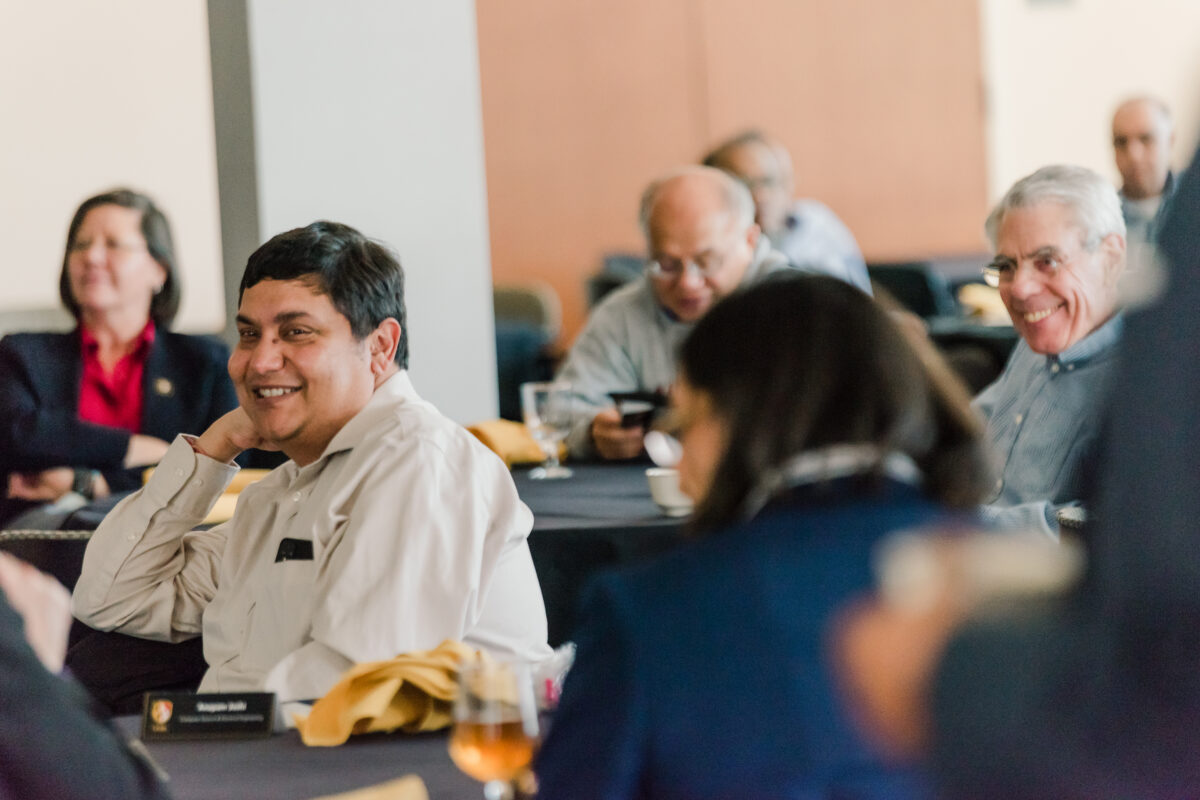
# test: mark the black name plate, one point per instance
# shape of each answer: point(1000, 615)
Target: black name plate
point(186, 715)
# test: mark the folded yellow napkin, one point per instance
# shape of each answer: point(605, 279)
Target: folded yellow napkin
point(509, 440)
point(413, 691)
point(410, 787)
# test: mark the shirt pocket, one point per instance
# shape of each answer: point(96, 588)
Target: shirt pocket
point(280, 619)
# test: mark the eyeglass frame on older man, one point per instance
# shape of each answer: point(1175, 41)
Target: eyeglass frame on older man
point(1003, 269)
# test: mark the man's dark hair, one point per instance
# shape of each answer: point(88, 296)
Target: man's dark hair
point(362, 278)
point(157, 233)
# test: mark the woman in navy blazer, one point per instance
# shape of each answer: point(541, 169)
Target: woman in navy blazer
point(119, 281)
point(811, 429)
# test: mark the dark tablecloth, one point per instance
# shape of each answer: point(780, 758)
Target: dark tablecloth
point(283, 767)
point(601, 517)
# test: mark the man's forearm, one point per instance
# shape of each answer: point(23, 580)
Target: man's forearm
point(137, 575)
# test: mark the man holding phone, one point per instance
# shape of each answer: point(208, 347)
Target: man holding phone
point(702, 243)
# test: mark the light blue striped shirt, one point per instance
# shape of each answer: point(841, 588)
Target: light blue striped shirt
point(1044, 421)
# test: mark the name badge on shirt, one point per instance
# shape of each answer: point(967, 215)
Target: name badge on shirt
point(294, 550)
point(187, 715)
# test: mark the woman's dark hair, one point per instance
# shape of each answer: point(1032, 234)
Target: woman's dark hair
point(362, 278)
point(157, 233)
point(799, 362)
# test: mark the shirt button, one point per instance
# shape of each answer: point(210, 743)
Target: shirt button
point(999, 484)
point(1070, 367)
point(199, 481)
point(179, 472)
point(1054, 368)
point(1019, 418)
point(296, 497)
point(132, 537)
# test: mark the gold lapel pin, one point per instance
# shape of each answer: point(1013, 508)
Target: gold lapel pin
point(163, 387)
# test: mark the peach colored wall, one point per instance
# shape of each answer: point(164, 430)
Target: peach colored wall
point(584, 102)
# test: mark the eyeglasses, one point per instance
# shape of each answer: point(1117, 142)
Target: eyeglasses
point(84, 245)
point(1003, 270)
point(704, 266)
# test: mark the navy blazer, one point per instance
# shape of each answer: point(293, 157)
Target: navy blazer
point(185, 388)
point(706, 673)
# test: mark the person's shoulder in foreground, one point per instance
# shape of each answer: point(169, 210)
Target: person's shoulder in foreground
point(51, 747)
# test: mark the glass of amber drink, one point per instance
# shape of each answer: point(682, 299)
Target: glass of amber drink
point(495, 725)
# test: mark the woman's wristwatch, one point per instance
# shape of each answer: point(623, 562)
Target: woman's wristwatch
point(85, 483)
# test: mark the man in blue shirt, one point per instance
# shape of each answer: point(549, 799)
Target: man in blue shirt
point(805, 230)
point(1059, 240)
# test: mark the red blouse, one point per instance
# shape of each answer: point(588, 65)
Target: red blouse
point(114, 398)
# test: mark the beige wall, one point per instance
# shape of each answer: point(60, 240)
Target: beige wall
point(584, 102)
point(1055, 72)
point(96, 95)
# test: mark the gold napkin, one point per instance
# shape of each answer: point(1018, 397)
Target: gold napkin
point(410, 787)
point(509, 440)
point(412, 691)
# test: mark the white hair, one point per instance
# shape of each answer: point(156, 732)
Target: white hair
point(737, 198)
point(1091, 198)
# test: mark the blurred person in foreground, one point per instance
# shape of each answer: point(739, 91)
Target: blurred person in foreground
point(51, 747)
point(702, 243)
point(811, 428)
point(1059, 243)
point(1094, 693)
point(82, 413)
point(805, 230)
point(390, 528)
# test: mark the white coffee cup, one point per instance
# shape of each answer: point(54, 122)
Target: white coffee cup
point(664, 488)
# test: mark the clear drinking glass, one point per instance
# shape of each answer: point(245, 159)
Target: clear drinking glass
point(496, 726)
point(546, 408)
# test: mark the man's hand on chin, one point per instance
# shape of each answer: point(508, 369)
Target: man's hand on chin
point(226, 438)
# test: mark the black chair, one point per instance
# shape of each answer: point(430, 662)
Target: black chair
point(57, 553)
point(917, 286)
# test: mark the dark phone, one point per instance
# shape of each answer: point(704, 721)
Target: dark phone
point(638, 409)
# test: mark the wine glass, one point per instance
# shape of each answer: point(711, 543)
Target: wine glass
point(546, 408)
point(495, 725)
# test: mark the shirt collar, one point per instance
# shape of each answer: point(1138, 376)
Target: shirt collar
point(142, 341)
point(1095, 343)
point(397, 388)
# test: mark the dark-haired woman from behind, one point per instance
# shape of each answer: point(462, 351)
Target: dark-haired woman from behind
point(81, 413)
point(811, 428)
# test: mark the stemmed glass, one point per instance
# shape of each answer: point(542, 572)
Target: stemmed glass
point(546, 408)
point(495, 725)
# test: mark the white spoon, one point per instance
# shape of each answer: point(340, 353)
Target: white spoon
point(664, 449)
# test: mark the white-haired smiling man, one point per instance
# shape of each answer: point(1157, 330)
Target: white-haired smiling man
point(1059, 241)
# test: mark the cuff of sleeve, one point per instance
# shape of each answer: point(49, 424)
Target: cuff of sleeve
point(187, 481)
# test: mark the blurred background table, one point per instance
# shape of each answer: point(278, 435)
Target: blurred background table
point(283, 767)
point(601, 517)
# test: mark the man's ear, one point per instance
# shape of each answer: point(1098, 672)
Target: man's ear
point(382, 343)
point(1113, 247)
point(752, 234)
